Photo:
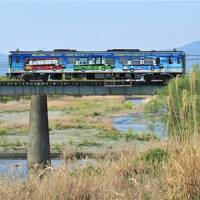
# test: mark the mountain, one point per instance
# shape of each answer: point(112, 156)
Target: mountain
point(192, 48)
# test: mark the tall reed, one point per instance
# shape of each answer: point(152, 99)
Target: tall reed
point(182, 104)
point(181, 176)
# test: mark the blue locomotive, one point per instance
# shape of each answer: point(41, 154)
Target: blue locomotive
point(111, 64)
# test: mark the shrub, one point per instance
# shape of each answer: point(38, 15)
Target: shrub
point(156, 155)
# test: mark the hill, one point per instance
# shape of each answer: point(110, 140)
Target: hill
point(192, 48)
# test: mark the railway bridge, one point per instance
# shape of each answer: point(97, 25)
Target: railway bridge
point(39, 145)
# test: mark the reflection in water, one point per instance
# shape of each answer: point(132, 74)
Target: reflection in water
point(139, 123)
point(18, 169)
point(136, 100)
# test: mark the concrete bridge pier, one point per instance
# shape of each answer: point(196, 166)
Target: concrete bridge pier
point(38, 144)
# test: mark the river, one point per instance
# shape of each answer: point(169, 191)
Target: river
point(140, 122)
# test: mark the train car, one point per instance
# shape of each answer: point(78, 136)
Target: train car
point(111, 64)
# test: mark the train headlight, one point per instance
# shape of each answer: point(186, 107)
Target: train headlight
point(28, 68)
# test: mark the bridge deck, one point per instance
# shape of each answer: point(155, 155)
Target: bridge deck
point(78, 88)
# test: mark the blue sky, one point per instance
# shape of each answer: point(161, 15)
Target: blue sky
point(97, 25)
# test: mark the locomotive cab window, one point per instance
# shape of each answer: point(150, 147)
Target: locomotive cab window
point(17, 60)
point(10, 60)
point(179, 60)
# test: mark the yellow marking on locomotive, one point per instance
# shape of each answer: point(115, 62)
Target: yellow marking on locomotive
point(28, 67)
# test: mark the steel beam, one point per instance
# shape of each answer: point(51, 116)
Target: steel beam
point(77, 90)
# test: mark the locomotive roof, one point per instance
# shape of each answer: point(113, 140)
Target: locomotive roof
point(109, 51)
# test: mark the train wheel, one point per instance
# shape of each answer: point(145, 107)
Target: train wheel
point(147, 79)
point(26, 77)
point(132, 70)
point(83, 69)
point(45, 77)
point(166, 78)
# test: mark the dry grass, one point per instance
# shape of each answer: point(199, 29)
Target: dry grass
point(181, 176)
point(10, 126)
point(79, 112)
point(161, 172)
point(15, 106)
point(81, 122)
point(183, 108)
point(108, 179)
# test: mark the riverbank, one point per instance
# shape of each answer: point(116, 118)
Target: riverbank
point(84, 124)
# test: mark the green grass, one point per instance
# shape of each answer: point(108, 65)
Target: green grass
point(87, 143)
point(109, 134)
point(97, 107)
point(142, 136)
point(130, 135)
point(17, 145)
point(156, 155)
point(3, 131)
point(58, 147)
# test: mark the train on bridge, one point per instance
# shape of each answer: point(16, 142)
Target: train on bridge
point(113, 64)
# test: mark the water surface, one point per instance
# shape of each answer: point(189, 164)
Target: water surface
point(140, 123)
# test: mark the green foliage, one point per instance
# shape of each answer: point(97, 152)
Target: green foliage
point(87, 171)
point(71, 142)
point(91, 170)
point(128, 105)
point(109, 134)
point(96, 113)
point(3, 131)
point(58, 147)
point(156, 155)
point(184, 106)
point(147, 196)
point(86, 142)
point(179, 103)
point(17, 145)
point(157, 104)
point(5, 99)
point(130, 135)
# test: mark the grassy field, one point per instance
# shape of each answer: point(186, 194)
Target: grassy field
point(84, 112)
point(82, 122)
